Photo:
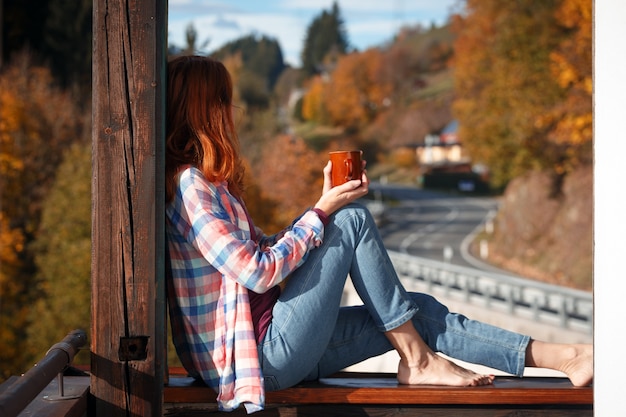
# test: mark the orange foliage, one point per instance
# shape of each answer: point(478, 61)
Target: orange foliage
point(313, 101)
point(234, 65)
point(11, 245)
point(572, 69)
point(523, 82)
point(404, 157)
point(290, 177)
point(12, 309)
point(357, 89)
point(37, 121)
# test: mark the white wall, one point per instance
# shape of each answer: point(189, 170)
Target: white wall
point(610, 206)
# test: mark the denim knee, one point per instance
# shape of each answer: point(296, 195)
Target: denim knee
point(353, 210)
point(353, 207)
point(428, 303)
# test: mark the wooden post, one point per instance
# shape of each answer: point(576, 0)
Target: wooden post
point(128, 296)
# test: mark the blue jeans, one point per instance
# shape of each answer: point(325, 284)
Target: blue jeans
point(311, 336)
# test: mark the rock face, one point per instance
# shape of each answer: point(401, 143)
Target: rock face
point(546, 237)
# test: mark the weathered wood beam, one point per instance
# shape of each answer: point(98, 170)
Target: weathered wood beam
point(128, 296)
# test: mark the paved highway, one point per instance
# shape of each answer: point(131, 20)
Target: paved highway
point(434, 225)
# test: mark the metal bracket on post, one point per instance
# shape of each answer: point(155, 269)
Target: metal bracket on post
point(133, 348)
point(61, 395)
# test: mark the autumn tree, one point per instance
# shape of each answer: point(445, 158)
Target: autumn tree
point(313, 103)
point(571, 120)
point(291, 177)
point(38, 121)
point(387, 82)
point(354, 92)
point(506, 85)
point(256, 126)
point(13, 305)
point(417, 50)
point(63, 255)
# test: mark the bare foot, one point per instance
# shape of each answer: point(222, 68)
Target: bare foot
point(578, 364)
point(435, 370)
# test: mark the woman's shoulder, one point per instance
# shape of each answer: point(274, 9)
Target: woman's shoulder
point(191, 172)
point(196, 190)
point(191, 175)
point(194, 187)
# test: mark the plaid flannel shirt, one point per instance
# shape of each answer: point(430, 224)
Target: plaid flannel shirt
point(213, 264)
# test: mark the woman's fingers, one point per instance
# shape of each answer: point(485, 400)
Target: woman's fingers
point(328, 181)
point(354, 189)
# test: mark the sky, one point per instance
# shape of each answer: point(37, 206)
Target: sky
point(368, 23)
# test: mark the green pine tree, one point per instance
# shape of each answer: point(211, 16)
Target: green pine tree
point(63, 256)
point(326, 39)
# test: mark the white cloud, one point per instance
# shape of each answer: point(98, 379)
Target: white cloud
point(195, 7)
point(372, 7)
point(368, 22)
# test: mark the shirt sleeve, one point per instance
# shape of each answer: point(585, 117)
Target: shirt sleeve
point(215, 224)
point(269, 240)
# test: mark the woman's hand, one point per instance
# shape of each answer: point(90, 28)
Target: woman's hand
point(333, 198)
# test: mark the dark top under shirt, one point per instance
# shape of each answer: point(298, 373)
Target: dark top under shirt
point(261, 306)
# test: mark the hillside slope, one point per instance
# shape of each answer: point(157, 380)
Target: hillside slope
point(545, 238)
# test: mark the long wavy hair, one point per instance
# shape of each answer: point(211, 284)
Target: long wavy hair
point(200, 127)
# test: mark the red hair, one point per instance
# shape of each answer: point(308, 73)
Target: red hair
point(200, 127)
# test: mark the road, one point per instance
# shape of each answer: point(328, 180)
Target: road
point(433, 225)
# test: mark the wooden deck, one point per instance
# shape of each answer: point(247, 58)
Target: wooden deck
point(351, 394)
point(356, 394)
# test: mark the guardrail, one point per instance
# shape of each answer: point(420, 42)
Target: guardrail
point(546, 303)
point(28, 386)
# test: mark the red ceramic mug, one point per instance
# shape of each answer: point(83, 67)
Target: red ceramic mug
point(347, 166)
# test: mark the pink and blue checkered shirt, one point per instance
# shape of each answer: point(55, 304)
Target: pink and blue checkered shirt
point(214, 262)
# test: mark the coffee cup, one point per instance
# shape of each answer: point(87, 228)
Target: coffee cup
point(347, 166)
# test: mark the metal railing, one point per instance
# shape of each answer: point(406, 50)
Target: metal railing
point(542, 302)
point(17, 396)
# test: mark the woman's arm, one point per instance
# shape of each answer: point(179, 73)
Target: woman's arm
point(215, 223)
